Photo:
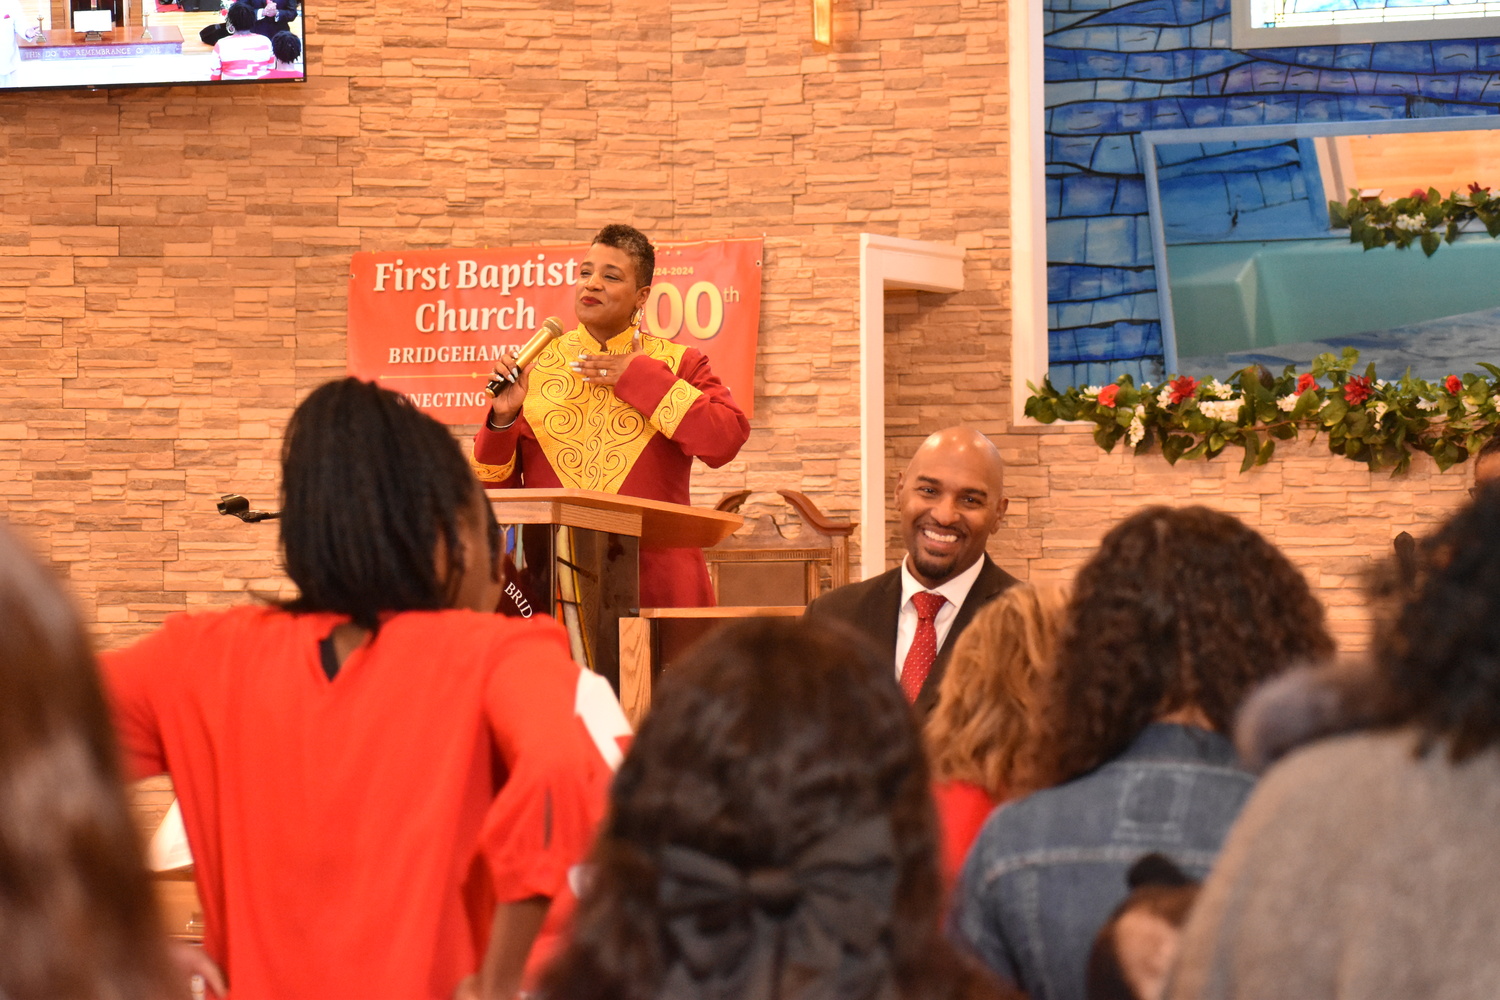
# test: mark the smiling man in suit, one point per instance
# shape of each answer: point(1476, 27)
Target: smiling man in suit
point(951, 499)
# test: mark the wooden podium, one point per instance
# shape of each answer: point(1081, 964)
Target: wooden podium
point(574, 554)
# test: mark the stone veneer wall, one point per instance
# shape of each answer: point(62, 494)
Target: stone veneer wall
point(173, 267)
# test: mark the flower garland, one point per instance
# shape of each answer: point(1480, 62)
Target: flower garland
point(1424, 217)
point(1366, 419)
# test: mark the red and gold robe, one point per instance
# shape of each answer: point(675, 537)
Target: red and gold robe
point(637, 438)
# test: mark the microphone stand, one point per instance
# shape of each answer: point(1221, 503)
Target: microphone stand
point(238, 506)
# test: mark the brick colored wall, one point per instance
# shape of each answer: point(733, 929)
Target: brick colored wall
point(173, 267)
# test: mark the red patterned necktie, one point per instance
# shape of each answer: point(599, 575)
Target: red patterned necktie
point(923, 645)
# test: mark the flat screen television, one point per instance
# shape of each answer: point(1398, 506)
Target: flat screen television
point(185, 42)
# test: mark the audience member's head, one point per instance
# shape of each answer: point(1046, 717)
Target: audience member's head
point(951, 499)
point(286, 47)
point(1134, 950)
point(770, 834)
point(380, 509)
point(984, 728)
point(241, 16)
point(77, 914)
point(1177, 616)
point(1439, 654)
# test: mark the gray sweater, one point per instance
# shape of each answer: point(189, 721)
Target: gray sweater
point(1356, 871)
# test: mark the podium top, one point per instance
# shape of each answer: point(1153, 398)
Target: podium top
point(656, 523)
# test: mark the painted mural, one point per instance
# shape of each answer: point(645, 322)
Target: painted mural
point(1116, 68)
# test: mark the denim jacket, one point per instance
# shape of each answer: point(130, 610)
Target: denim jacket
point(1047, 870)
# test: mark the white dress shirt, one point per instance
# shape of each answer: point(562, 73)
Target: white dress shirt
point(955, 590)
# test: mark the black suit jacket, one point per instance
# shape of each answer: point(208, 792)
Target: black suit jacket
point(872, 606)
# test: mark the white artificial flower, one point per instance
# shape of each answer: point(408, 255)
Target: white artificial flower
point(1379, 409)
point(1218, 390)
point(1427, 404)
point(1217, 409)
point(1286, 404)
point(1135, 432)
point(1164, 398)
point(1410, 223)
point(1092, 390)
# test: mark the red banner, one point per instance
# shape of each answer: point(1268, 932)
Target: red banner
point(431, 323)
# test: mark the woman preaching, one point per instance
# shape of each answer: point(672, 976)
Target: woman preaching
point(610, 408)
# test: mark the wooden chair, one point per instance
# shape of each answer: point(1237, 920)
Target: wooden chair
point(762, 567)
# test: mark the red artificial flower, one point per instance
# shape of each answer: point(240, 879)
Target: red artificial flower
point(1477, 188)
point(1418, 194)
point(1357, 390)
point(1107, 395)
point(1453, 384)
point(1305, 381)
point(1182, 387)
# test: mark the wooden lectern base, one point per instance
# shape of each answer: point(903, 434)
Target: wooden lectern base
point(651, 642)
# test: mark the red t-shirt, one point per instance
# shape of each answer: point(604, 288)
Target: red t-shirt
point(962, 808)
point(352, 837)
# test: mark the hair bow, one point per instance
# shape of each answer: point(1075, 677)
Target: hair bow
point(812, 929)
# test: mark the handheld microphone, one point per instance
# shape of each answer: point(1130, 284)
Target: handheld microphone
point(550, 331)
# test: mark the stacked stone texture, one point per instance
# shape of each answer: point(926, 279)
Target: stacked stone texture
point(175, 264)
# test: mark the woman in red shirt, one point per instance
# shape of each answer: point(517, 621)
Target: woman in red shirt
point(383, 784)
point(982, 735)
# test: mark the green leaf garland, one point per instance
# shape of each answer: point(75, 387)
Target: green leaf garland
point(1364, 418)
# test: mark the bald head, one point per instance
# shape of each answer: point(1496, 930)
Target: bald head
point(951, 499)
point(952, 443)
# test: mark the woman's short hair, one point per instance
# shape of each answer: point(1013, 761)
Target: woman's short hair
point(770, 737)
point(286, 46)
point(984, 728)
point(77, 913)
point(373, 493)
point(241, 16)
point(633, 243)
point(1439, 652)
point(1180, 608)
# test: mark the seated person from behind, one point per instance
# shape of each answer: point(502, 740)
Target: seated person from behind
point(1363, 867)
point(982, 737)
point(607, 407)
point(242, 54)
point(769, 835)
point(1176, 617)
point(951, 499)
point(287, 48)
point(380, 776)
point(78, 912)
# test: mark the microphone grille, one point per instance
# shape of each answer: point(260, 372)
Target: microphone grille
point(553, 325)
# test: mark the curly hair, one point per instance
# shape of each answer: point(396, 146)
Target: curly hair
point(77, 914)
point(1180, 609)
point(984, 728)
point(770, 736)
point(1439, 654)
